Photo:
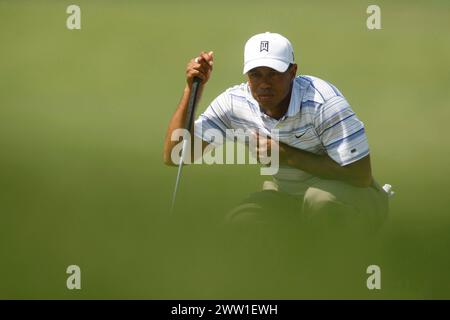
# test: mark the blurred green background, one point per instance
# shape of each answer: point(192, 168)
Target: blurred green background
point(83, 114)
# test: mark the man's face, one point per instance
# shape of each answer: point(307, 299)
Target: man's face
point(270, 87)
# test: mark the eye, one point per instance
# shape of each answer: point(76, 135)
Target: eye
point(274, 74)
point(254, 75)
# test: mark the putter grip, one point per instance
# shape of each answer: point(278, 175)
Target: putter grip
point(191, 103)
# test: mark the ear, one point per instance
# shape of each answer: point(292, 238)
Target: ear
point(293, 70)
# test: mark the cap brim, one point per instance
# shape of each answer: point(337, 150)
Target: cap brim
point(278, 65)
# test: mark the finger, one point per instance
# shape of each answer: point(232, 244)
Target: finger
point(200, 57)
point(253, 138)
point(202, 67)
point(196, 73)
point(207, 58)
point(200, 62)
point(206, 64)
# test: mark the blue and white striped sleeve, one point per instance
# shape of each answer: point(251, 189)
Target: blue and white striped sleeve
point(215, 120)
point(341, 132)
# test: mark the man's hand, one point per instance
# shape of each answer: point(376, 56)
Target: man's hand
point(200, 67)
point(265, 145)
point(358, 173)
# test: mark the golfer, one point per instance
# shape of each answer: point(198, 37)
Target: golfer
point(324, 172)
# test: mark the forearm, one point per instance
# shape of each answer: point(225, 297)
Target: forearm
point(178, 121)
point(358, 174)
point(199, 67)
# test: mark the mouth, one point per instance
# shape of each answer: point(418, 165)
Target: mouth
point(265, 96)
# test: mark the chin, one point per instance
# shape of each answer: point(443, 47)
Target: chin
point(267, 105)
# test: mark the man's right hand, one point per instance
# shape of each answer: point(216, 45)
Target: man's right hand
point(200, 67)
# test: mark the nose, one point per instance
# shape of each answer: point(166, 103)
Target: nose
point(266, 83)
point(264, 86)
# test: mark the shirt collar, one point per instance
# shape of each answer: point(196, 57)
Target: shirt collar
point(294, 104)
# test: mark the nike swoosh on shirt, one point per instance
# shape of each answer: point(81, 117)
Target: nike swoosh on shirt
point(299, 136)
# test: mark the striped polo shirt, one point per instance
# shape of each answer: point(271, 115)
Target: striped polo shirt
point(319, 120)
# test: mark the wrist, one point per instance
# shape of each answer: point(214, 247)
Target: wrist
point(285, 154)
point(188, 89)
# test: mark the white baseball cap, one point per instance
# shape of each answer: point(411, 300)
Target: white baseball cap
point(268, 50)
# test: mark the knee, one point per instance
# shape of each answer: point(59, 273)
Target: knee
point(317, 200)
point(244, 214)
point(324, 210)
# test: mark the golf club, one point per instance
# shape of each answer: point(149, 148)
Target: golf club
point(188, 123)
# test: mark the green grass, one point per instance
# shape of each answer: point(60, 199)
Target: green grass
point(83, 115)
